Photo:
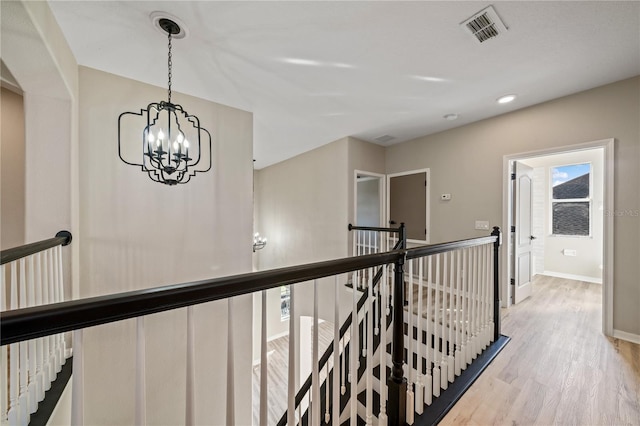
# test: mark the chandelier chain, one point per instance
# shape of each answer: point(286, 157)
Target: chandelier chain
point(169, 63)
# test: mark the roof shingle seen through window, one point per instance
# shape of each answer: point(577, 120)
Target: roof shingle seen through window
point(574, 188)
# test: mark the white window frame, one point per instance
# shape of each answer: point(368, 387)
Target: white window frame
point(589, 199)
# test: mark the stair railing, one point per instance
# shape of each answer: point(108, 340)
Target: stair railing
point(24, 324)
point(30, 275)
point(367, 240)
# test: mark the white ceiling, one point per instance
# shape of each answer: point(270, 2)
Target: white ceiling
point(370, 56)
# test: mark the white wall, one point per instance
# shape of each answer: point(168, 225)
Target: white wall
point(467, 161)
point(587, 264)
point(137, 233)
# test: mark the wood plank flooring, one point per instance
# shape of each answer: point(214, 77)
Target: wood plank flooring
point(278, 358)
point(558, 368)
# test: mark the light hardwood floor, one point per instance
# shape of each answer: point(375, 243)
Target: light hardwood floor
point(558, 368)
point(278, 350)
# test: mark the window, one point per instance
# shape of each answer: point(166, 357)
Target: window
point(571, 200)
point(285, 302)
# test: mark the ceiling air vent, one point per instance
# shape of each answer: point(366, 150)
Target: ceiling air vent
point(385, 138)
point(485, 25)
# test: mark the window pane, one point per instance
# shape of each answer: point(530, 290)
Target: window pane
point(285, 302)
point(571, 181)
point(571, 218)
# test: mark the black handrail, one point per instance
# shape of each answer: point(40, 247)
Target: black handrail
point(38, 321)
point(374, 228)
point(9, 255)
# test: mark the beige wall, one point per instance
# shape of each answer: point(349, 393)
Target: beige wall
point(137, 233)
point(12, 170)
point(48, 76)
point(467, 162)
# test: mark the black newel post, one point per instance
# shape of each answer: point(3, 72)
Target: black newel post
point(397, 403)
point(496, 284)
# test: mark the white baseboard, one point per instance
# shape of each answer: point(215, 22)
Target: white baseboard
point(573, 277)
point(629, 337)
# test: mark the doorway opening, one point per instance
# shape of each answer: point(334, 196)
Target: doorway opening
point(368, 199)
point(566, 232)
point(408, 195)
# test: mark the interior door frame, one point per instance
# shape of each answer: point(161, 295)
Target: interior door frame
point(428, 201)
point(607, 274)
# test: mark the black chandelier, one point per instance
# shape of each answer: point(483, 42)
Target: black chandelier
point(172, 139)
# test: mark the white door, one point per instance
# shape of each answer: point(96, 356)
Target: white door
point(522, 236)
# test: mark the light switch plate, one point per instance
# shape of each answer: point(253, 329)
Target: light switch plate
point(445, 197)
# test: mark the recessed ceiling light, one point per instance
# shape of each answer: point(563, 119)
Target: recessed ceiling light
point(299, 61)
point(505, 99)
point(451, 117)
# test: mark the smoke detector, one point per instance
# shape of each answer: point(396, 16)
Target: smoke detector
point(484, 25)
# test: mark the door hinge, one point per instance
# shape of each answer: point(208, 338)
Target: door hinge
point(513, 176)
point(513, 229)
point(425, 183)
point(513, 281)
point(425, 231)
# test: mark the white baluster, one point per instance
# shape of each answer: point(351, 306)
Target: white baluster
point(77, 390)
point(369, 337)
point(25, 414)
point(40, 387)
point(327, 414)
point(141, 362)
point(450, 358)
point(291, 388)
point(264, 366)
point(230, 365)
point(419, 387)
point(32, 343)
point(53, 366)
point(3, 352)
point(15, 414)
point(491, 294)
point(474, 307)
point(336, 356)
point(343, 371)
point(315, 373)
point(46, 350)
point(458, 353)
point(428, 380)
point(444, 383)
point(467, 307)
point(436, 327)
point(485, 292)
point(63, 345)
point(56, 299)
